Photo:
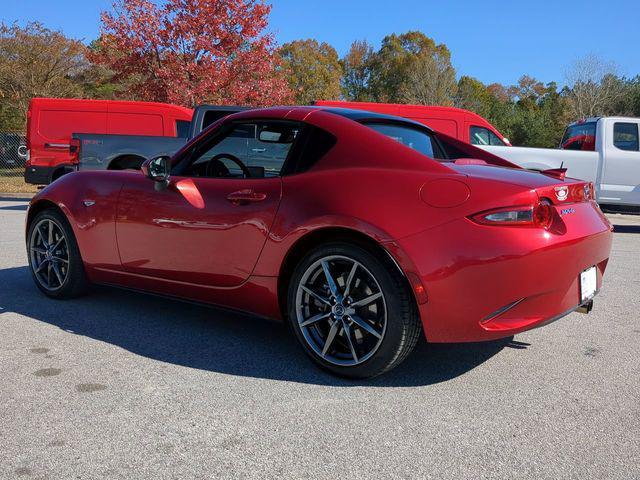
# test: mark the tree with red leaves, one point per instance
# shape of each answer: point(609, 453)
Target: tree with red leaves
point(193, 51)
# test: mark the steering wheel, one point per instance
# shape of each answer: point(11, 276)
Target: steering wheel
point(216, 162)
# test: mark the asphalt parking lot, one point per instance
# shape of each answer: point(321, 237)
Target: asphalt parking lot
point(122, 385)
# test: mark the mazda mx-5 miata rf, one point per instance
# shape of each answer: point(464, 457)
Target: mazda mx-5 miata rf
point(361, 230)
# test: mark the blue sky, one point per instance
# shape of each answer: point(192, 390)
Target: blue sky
point(493, 41)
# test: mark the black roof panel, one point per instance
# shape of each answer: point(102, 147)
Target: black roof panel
point(365, 115)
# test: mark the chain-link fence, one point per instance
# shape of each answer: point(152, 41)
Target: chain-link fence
point(13, 155)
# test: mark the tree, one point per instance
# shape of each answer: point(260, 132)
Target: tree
point(97, 80)
point(629, 102)
point(473, 95)
point(37, 62)
point(192, 51)
point(399, 56)
point(431, 81)
point(314, 70)
point(594, 87)
point(356, 66)
point(537, 116)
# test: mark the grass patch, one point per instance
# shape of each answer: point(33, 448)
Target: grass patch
point(14, 183)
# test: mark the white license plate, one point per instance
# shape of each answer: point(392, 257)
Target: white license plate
point(588, 283)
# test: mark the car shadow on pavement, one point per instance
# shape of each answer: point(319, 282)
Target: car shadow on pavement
point(215, 340)
point(626, 228)
point(22, 208)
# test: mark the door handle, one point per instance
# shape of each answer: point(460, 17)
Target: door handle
point(243, 197)
point(56, 145)
point(258, 150)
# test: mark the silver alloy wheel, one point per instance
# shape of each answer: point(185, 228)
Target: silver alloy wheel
point(341, 310)
point(49, 253)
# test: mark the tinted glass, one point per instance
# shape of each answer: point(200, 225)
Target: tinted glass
point(411, 137)
point(182, 128)
point(581, 136)
point(316, 145)
point(625, 136)
point(211, 116)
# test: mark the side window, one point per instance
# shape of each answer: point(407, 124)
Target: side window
point(495, 140)
point(182, 128)
point(247, 150)
point(484, 136)
point(625, 136)
point(244, 131)
point(270, 147)
point(479, 136)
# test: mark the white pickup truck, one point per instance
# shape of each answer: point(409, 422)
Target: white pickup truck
point(603, 150)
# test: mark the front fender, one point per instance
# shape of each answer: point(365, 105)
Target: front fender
point(89, 201)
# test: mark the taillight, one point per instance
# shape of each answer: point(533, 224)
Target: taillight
point(74, 148)
point(543, 214)
point(539, 215)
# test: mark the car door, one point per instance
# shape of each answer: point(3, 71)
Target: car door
point(621, 173)
point(209, 225)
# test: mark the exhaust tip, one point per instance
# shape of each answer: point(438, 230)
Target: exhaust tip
point(585, 307)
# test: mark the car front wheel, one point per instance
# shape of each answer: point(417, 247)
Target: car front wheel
point(351, 311)
point(54, 257)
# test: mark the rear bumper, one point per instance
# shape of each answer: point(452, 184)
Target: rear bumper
point(485, 283)
point(42, 175)
point(38, 175)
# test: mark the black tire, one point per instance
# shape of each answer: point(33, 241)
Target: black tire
point(402, 324)
point(75, 282)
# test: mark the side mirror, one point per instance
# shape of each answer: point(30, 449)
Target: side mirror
point(158, 169)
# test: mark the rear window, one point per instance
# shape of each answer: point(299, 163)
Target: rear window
point(580, 136)
point(625, 136)
point(410, 137)
point(484, 136)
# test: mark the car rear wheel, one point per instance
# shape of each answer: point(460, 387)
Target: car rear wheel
point(54, 257)
point(351, 311)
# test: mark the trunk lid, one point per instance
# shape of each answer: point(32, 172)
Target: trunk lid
point(557, 191)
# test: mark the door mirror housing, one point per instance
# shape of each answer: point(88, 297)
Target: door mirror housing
point(158, 169)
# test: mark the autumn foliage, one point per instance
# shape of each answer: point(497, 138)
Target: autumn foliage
point(193, 51)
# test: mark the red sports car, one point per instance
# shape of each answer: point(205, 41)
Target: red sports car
point(361, 230)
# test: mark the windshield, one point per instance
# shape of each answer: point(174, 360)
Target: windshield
point(579, 136)
point(414, 138)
